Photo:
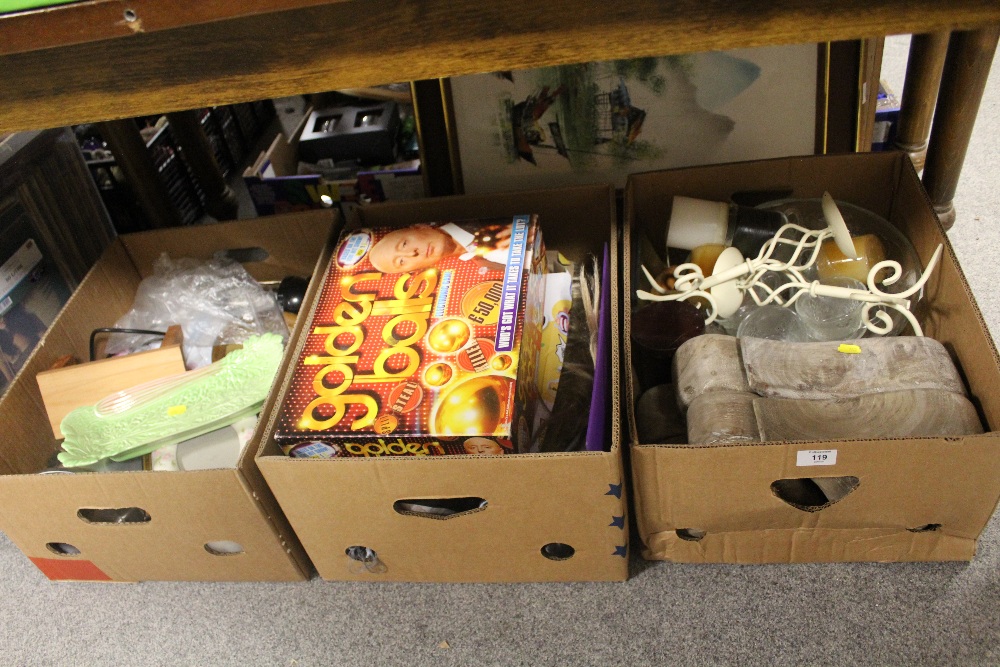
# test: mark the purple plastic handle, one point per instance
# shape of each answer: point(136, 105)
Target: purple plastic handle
point(599, 403)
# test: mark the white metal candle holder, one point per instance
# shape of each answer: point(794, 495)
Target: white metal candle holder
point(735, 276)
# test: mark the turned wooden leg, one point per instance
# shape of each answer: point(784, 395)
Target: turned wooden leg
point(920, 93)
point(220, 200)
point(966, 69)
point(141, 174)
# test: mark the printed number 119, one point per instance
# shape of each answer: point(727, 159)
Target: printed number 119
point(816, 457)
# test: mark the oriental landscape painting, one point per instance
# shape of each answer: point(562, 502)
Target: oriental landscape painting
point(599, 122)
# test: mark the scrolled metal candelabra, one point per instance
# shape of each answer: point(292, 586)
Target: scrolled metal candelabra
point(734, 276)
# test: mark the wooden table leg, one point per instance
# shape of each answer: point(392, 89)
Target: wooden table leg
point(133, 158)
point(220, 200)
point(920, 93)
point(966, 68)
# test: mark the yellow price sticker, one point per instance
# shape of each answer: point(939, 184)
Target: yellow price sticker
point(847, 348)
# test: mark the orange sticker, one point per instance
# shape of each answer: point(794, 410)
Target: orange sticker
point(481, 304)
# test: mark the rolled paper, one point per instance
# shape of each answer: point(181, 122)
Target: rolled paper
point(821, 370)
point(695, 222)
point(705, 364)
point(831, 262)
point(723, 418)
point(892, 414)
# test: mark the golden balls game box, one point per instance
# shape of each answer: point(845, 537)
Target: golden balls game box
point(423, 341)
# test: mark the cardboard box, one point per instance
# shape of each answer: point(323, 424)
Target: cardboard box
point(184, 515)
point(547, 517)
point(915, 499)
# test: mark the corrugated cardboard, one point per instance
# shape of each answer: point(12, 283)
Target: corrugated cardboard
point(187, 510)
point(533, 500)
point(917, 499)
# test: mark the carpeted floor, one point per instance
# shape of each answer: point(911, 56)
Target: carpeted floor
point(870, 614)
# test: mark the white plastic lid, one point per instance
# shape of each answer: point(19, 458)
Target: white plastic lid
point(835, 220)
point(695, 222)
point(728, 297)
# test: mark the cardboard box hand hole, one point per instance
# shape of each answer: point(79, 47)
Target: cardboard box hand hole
point(928, 528)
point(744, 518)
point(114, 515)
point(439, 508)
point(364, 560)
point(62, 549)
point(690, 534)
point(558, 551)
point(247, 255)
point(224, 548)
point(812, 494)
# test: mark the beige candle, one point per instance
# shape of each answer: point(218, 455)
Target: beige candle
point(832, 263)
point(705, 256)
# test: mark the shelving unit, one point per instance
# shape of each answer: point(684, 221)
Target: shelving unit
point(109, 59)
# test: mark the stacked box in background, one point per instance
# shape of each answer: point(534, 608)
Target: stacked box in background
point(32, 291)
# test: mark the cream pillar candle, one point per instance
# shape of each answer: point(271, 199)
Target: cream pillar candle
point(695, 222)
point(832, 263)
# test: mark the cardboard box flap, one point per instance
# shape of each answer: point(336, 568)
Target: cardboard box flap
point(565, 220)
point(810, 545)
point(285, 254)
point(104, 294)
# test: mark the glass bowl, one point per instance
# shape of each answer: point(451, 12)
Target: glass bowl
point(808, 213)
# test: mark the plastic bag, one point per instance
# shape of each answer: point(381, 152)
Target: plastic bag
point(216, 302)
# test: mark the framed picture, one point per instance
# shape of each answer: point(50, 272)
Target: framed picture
point(601, 121)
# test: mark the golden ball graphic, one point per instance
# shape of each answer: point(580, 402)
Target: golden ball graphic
point(501, 362)
point(438, 375)
point(385, 424)
point(475, 406)
point(449, 336)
